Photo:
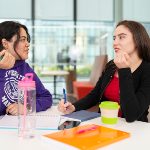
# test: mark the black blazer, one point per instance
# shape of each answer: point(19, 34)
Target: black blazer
point(134, 91)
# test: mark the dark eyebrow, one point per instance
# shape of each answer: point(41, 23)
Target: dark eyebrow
point(122, 34)
point(119, 35)
point(23, 37)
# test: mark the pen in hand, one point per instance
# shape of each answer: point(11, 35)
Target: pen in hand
point(65, 96)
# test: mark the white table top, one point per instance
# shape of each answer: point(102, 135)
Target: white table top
point(140, 137)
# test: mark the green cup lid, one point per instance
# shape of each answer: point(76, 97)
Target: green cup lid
point(109, 105)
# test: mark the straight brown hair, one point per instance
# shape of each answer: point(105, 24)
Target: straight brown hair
point(140, 37)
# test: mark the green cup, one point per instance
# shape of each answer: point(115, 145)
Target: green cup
point(109, 112)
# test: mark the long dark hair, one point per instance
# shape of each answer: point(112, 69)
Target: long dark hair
point(10, 28)
point(140, 37)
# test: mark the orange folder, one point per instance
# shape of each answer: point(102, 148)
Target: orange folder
point(89, 137)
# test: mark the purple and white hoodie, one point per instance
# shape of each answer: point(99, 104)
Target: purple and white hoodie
point(8, 87)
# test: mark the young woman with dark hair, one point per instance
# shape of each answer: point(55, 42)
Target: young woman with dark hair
point(126, 78)
point(14, 38)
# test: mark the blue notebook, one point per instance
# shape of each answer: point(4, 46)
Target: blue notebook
point(83, 115)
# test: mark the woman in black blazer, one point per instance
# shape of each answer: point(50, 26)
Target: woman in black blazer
point(129, 71)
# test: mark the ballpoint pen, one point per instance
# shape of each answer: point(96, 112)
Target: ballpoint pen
point(65, 97)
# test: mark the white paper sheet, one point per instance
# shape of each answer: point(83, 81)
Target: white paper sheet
point(43, 121)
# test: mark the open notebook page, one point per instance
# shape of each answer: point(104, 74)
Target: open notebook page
point(43, 121)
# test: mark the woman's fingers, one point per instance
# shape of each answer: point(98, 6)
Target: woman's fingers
point(12, 109)
point(65, 107)
point(61, 106)
point(9, 108)
point(7, 61)
point(122, 60)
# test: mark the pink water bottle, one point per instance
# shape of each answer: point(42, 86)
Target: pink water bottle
point(26, 107)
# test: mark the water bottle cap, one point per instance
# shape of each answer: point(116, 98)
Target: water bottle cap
point(27, 81)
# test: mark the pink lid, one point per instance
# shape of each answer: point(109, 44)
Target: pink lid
point(27, 81)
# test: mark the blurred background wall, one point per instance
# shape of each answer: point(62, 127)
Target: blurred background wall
point(68, 34)
point(65, 31)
